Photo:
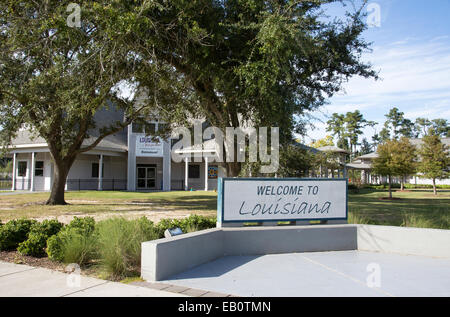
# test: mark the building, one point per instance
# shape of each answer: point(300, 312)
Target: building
point(364, 164)
point(128, 160)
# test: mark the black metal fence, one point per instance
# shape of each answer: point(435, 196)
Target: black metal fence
point(5, 184)
point(92, 184)
point(177, 184)
point(84, 184)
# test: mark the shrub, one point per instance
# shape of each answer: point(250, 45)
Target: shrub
point(55, 248)
point(34, 245)
point(75, 243)
point(78, 247)
point(85, 225)
point(37, 237)
point(189, 224)
point(120, 244)
point(14, 232)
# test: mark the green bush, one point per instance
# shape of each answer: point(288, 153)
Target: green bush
point(85, 225)
point(189, 224)
point(115, 243)
point(55, 247)
point(37, 237)
point(75, 243)
point(120, 244)
point(34, 245)
point(79, 247)
point(14, 232)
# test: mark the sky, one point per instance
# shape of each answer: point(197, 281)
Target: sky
point(411, 52)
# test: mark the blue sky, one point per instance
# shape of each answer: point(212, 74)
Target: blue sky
point(411, 51)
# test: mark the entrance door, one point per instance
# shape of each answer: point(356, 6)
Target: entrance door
point(146, 177)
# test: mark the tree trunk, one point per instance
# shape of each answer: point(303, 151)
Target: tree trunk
point(390, 187)
point(402, 183)
point(434, 186)
point(59, 183)
point(233, 169)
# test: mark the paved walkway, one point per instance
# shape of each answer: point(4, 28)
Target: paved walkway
point(323, 274)
point(23, 280)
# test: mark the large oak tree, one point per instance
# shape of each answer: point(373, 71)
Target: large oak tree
point(55, 75)
point(264, 62)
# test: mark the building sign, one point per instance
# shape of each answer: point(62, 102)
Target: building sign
point(277, 199)
point(212, 172)
point(145, 146)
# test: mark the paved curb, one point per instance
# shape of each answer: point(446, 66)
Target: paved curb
point(181, 290)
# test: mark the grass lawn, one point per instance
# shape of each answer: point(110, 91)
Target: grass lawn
point(415, 208)
point(103, 204)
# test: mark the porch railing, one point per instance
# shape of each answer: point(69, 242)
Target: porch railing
point(92, 184)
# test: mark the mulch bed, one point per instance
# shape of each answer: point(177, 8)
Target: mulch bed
point(17, 258)
point(44, 262)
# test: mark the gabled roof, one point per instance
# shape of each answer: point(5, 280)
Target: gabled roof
point(117, 142)
point(332, 148)
point(370, 156)
point(207, 146)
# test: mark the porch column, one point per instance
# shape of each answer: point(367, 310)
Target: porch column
point(206, 173)
point(100, 173)
point(166, 167)
point(33, 163)
point(186, 174)
point(13, 185)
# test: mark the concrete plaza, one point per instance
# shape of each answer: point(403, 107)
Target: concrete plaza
point(337, 273)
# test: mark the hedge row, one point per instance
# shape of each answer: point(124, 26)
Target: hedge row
point(114, 244)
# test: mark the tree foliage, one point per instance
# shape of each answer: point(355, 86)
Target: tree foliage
point(229, 62)
point(434, 159)
point(54, 78)
point(326, 141)
point(347, 128)
point(264, 62)
point(395, 158)
point(396, 126)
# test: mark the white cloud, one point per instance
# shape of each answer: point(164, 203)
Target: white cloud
point(415, 77)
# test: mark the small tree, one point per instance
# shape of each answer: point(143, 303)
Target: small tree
point(395, 158)
point(407, 158)
point(434, 159)
point(326, 141)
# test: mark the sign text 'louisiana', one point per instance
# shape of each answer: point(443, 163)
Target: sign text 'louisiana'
point(256, 199)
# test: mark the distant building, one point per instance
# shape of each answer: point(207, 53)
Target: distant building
point(364, 164)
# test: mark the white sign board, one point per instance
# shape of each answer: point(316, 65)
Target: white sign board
point(145, 146)
point(257, 199)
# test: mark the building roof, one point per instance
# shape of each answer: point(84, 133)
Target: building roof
point(360, 166)
point(305, 147)
point(207, 146)
point(415, 142)
point(332, 148)
point(116, 142)
point(371, 156)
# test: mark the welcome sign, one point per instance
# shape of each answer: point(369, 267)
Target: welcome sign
point(277, 199)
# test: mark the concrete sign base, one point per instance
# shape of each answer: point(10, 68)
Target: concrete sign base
point(166, 257)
